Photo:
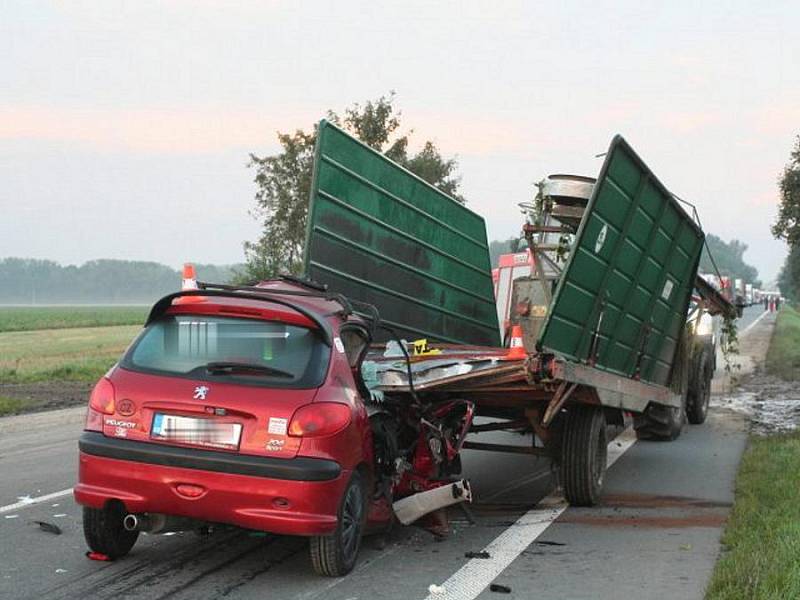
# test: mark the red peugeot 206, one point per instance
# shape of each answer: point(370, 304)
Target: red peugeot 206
point(247, 407)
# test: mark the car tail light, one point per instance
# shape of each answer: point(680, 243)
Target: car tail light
point(101, 402)
point(320, 419)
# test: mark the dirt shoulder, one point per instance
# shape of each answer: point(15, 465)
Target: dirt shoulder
point(40, 396)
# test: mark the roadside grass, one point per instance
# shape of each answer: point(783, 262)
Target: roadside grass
point(78, 354)
point(783, 356)
point(27, 318)
point(10, 406)
point(762, 537)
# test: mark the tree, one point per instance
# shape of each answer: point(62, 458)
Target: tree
point(729, 258)
point(789, 276)
point(283, 182)
point(787, 227)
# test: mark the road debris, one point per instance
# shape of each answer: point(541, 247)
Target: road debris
point(48, 527)
point(61, 570)
point(499, 588)
point(436, 589)
point(11, 516)
point(481, 554)
point(549, 543)
point(98, 556)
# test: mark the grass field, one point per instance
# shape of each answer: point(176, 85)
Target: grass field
point(783, 357)
point(26, 318)
point(76, 354)
point(762, 538)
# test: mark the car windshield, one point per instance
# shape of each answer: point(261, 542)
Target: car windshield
point(247, 351)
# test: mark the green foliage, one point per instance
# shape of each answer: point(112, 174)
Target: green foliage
point(762, 537)
point(27, 318)
point(283, 186)
point(10, 406)
point(729, 257)
point(283, 182)
point(787, 227)
point(783, 357)
point(789, 276)
point(33, 281)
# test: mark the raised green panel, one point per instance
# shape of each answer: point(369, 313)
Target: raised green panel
point(640, 276)
point(381, 235)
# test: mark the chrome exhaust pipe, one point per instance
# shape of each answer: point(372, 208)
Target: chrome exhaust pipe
point(158, 523)
point(131, 523)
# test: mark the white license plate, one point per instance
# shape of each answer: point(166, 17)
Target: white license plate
point(198, 432)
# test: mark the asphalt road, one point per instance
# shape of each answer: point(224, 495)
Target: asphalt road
point(655, 535)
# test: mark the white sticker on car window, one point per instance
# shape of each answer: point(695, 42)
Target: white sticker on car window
point(339, 345)
point(277, 426)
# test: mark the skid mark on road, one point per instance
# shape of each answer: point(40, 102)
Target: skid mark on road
point(475, 576)
point(33, 501)
point(150, 574)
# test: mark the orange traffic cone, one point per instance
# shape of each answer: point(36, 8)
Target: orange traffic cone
point(189, 277)
point(189, 282)
point(516, 349)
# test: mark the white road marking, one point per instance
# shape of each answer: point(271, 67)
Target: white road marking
point(753, 324)
point(28, 501)
point(475, 576)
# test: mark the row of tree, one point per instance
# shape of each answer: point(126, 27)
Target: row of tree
point(787, 226)
point(33, 281)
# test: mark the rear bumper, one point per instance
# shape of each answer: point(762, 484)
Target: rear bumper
point(297, 496)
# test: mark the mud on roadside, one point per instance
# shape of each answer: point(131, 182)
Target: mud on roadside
point(771, 404)
point(46, 395)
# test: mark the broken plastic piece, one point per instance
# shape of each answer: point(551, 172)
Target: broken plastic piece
point(436, 589)
point(49, 527)
point(411, 508)
point(500, 589)
point(98, 556)
point(481, 554)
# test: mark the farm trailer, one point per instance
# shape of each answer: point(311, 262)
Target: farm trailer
point(611, 318)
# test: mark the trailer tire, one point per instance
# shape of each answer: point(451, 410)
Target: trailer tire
point(584, 453)
point(699, 394)
point(104, 532)
point(659, 423)
point(335, 555)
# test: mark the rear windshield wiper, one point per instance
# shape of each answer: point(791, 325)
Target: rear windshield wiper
point(225, 367)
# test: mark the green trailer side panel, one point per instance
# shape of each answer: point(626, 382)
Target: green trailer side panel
point(634, 260)
point(380, 234)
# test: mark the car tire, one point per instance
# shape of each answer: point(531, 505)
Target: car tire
point(699, 394)
point(104, 532)
point(584, 453)
point(335, 555)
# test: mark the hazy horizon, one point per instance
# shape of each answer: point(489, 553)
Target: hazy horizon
point(125, 128)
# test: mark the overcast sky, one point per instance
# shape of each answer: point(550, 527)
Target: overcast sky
point(125, 127)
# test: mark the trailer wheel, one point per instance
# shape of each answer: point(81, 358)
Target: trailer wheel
point(104, 532)
point(699, 393)
point(660, 423)
point(335, 555)
point(584, 449)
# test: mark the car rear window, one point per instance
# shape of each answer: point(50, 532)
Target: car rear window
point(231, 350)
